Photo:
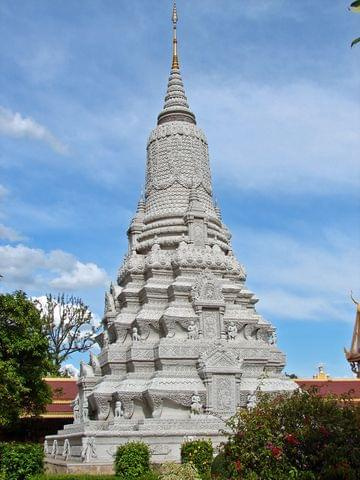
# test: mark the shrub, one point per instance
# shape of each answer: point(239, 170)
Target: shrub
point(200, 453)
point(295, 436)
point(219, 468)
point(18, 461)
point(150, 475)
point(73, 477)
point(132, 460)
point(174, 471)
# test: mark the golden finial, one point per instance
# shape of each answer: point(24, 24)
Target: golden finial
point(175, 60)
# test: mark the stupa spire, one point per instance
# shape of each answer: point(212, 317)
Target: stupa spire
point(353, 356)
point(175, 60)
point(176, 107)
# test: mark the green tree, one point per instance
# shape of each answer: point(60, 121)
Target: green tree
point(67, 323)
point(299, 435)
point(24, 359)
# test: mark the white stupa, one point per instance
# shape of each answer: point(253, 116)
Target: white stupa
point(183, 346)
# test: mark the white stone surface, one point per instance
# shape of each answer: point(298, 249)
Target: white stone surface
point(183, 346)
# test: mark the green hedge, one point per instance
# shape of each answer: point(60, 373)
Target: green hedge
point(200, 454)
point(220, 467)
point(73, 477)
point(19, 461)
point(132, 460)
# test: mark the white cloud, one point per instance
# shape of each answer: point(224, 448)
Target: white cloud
point(85, 274)
point(14, 125)
point(30, 268)
point(302, 279)
point(8, 233)
point(70, 370)
point(296, 138)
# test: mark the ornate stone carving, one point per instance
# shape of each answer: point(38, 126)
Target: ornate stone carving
point(211, 324)
point(66, 453)
point(85, 411)
point(135, 335)
point(249, 331)
point(263, 335)
point(225, 391)
point(193, 331)
point(160, 449)
point(196, 407)
point(207, 289)
point(231, 331)
point(168, 326)
point(95, 364)
point(273, 338)
point(101, 402)
point(219, 358)
point(46, 447)
point(127, 401)
point(54, 449)
point(187, 164)
point(118, 412)
point(86, 370)
point(157, 258)
point(251, 401)
point(76, 409)
point(133, 263)
point(88, 451)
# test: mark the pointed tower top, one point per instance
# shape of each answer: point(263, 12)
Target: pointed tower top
point(353, 356)
point(175, 60)
point(176, 107)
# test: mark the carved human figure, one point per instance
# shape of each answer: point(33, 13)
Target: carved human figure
point(273, 338)
point(135, 335)
point(66, 449)
point(196, 407)
point(193, 333)
point(85, 411)
point(231, 331)
point(54, 449)
point(76, 410)
point(119, 411)
point(109, 302)
point(105, 339)
point(88, 450)
point(251, 401)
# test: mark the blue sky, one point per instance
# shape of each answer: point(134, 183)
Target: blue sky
point(275, 86)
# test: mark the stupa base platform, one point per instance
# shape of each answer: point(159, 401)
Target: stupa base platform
point(62, 467)
point(89, 450)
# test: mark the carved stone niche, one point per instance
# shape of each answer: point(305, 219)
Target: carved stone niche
point(172, 403)
point(119, 332)
point(221, 372)
point(100, 404)
point(206, 291)
point(127, 401)
point(209, 305)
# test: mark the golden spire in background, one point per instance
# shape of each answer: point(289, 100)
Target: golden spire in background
point(353, 356)
point(175, 60)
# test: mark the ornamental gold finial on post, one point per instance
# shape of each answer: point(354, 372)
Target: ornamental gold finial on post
point(175, 60)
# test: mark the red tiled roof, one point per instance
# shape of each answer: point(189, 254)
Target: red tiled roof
point(63, 388)
point(64, 391)
point(336, 386)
